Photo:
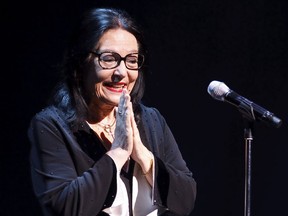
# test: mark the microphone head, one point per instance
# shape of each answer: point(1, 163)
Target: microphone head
point(218, 90)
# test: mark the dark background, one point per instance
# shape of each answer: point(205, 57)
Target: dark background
point(191, 42)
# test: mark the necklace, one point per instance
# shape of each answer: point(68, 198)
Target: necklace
point(108, 127)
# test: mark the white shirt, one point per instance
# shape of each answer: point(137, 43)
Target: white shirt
point(142, 196)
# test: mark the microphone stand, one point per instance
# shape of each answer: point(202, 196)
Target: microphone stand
point(248, 137)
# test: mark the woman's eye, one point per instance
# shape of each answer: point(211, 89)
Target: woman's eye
point(132, 60)
point(108, 58)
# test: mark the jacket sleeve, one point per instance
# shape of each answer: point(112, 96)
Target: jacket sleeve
point(175, 187)
point(59, 186)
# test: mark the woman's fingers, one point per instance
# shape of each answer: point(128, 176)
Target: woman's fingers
point(123, 131)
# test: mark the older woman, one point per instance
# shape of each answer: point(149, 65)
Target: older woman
point(96, 149)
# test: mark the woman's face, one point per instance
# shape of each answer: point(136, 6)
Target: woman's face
point(105, 86)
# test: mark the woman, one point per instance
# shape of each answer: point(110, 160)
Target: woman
point(96, 149)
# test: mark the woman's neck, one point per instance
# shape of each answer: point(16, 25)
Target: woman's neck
point(104, 114)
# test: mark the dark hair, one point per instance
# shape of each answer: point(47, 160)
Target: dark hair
point(92, 26)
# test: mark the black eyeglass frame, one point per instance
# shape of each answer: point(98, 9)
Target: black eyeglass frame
point(119, 58)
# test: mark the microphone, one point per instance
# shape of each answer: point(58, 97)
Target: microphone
point(250, 110)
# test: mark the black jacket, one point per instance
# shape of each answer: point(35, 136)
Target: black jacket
point(72, 175)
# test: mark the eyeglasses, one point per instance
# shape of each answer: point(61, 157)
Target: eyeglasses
point(110, 60)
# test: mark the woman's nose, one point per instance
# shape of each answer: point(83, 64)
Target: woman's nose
point(121, 69)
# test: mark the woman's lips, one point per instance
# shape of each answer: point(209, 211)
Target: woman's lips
point(116, 87)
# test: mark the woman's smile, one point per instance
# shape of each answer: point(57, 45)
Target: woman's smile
point(115, 87)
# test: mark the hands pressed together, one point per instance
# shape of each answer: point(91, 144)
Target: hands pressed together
point(127, 142)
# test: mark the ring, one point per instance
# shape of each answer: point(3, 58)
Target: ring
point(120, 113)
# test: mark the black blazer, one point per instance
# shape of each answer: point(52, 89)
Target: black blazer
point(71, 179)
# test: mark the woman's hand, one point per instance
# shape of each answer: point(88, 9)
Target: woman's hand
point(122, 145)
point(127, 141)
point(140, 153)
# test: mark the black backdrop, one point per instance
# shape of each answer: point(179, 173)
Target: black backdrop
point(191, 42)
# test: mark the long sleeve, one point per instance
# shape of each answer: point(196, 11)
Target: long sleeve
point(175, 187)
point(66, 181)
